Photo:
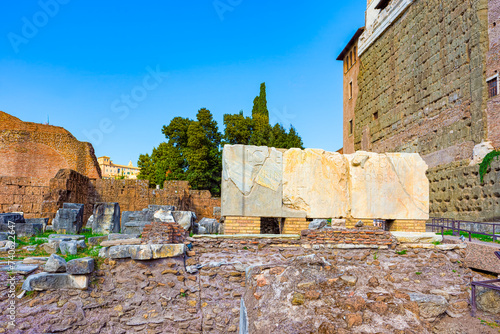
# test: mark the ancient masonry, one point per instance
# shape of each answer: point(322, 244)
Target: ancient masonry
point(294, 186)
point(427, 71)
point(44, 166)
point(40, 151)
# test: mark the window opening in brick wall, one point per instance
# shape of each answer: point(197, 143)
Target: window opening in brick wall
point(350, 127)
point(375, 115)
point(354, 53)
point(350, 90)
point(493, 87)
point(270, 225)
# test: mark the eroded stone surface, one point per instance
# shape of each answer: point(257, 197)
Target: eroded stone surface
point(48, 281)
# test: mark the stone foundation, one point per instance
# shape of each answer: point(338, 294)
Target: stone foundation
point(295, 225)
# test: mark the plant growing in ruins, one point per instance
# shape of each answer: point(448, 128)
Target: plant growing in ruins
point(402, 252)
point(418, 273)
point(485, 164)
point(375, 256)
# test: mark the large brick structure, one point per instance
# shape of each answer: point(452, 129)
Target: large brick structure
point(38, 150)
point(424, 78)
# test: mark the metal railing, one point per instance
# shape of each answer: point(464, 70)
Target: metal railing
point(484, 284)
point(457, 226)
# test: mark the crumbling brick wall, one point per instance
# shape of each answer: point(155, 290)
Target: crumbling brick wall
point(163, 233)
point(379, 238)
point(23, 194)
point(37, 150)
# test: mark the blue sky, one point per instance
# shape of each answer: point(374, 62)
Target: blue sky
point(114, 72)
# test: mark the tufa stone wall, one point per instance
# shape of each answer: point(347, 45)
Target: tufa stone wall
point(37, 150)
point(425, 77)
point(457, 192)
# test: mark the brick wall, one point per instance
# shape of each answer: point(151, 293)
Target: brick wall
point(425, 76)
point(163, 233)
point(493, 68)
point(380, 238)
point(295, 225)
point(23, 194)
point(37, 150)
point(350, 76)
point(242, 225)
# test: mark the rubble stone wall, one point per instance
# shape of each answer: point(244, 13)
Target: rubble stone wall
point(456, 192)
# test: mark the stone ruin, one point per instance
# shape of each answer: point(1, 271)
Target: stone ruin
point(297, 185)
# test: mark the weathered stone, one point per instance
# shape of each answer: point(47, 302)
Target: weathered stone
point(349, 279)
point(417, 237)
point(316, 224)
point(252, 175)
point(388, 186)
point(19, 225)
point(154, 208)
point(430, 306)
point(118, 236)
point(488, 301)
point(69, 219)
point(35, 260)
point(298, 299)
point(90, 221)
point(106, 218)
point(184, 218)
point(315, 182)
point(64, 237)
point(51, 247)
point(55, 264)
point(143, 252)
point(95, 241)
point(13, 217)
point(163, 216)
point(48, 281)
point(68, 247)
point(117, 242)
point(134, 228)
point(20, 268)
point(208, 226)
point(480, 151)
point(80, 266)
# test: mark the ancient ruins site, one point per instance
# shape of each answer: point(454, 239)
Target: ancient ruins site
point(233, 222)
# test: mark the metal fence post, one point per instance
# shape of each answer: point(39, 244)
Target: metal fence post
point(473, 300)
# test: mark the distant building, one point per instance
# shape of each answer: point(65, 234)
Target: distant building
point(111, 170)
point(351, 71)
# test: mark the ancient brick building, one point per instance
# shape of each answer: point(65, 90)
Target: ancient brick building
point(37, 150)
point(428, 83)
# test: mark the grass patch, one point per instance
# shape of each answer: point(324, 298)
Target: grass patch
point(479, 237)
point(418, 273)
point(403, 252)
point(436, 243)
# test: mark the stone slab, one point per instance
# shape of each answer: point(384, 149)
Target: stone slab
point(20, 268)
point(66, 236)
point(388, 186)
point(251, 176)
point(48, 281)
point(68, 220)
point(315, 182)
point(117, 236)
point(117, 242)
point(96, 241)
point(143, 252)
point(35, 260)
point(417, 237)
point(80, 266)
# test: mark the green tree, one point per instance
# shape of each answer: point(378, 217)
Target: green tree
point(294, 139)
point(237, 129)
point(260, 117)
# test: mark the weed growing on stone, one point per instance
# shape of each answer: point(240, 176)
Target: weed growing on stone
point(183, 294)
point(403, 252)
point(375, 256)
point(436, 243)
point(418, 273)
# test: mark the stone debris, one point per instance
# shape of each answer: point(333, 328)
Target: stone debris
point(143, 252)
point(80, 266)
point(417, 237)
point(184, 218)
point(106, 218)
point(317, 224)
point(69, 219)
point(208, 226)
point(96, 241)
point(21, 226)
point(118, 236)
point(51, 247)
point(162, 216)
point(35, 260)
point(133, 222)
point(49, 281)
point(117, 242)
point(430, 306)
point(65, 237)
point(55, 264)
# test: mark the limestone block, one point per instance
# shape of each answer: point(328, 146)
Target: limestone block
point(143, 252)
point(95, 241)
point(208, 226)
point(315, 182)
point(65, 237)
point(163, 216)
point(106, 218)
point(48, 281)
point(80, 266)
point(430, 306)
point(20, 268)
point(68, 247)
point(117, 236)
point(35, 260)
point(417, 237)
point(117, 242)
point(252, 176)
point(388, 186)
